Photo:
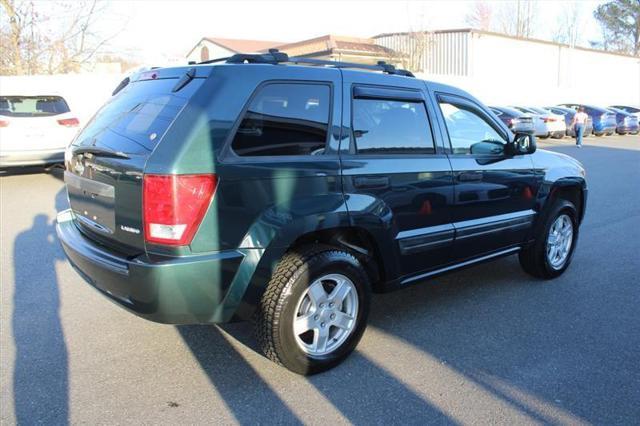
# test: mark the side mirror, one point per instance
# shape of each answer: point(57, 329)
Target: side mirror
point(523, 143)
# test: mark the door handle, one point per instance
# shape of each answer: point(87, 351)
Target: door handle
point(371, 182)
point(470, 177)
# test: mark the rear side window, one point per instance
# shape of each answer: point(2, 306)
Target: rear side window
point(285, 119)
point(381, 126)
point(136, 118)
point(32, 106)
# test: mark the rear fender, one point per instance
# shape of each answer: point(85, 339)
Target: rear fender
point(276, 231)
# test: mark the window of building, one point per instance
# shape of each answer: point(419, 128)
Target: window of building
point(285, 119)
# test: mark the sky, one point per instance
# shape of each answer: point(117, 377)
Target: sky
point(157, 30)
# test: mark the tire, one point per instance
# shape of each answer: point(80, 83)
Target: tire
point(534, 259)
point(289, 293)
point(609, 133)
point(598, 134)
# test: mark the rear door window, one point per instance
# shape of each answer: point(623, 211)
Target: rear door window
point(32, 106)
point(285, 119)
point(385, 126)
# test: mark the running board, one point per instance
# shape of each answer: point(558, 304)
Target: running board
point(459, 265)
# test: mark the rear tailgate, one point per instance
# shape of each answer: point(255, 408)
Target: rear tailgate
point(106, 161)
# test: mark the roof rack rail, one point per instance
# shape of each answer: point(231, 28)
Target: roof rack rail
point(380, 66)
point(274, 56)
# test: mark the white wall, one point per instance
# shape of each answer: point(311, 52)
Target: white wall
point(504, 71)
point(84, 93)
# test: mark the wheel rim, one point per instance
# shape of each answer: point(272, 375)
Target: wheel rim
point(326, 314)
point(559, 241)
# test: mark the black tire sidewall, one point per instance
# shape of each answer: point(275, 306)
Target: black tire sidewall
point(333, 261)
point(560, 207)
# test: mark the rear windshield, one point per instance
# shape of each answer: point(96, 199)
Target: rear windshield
point(32, 106)
point(136, 118)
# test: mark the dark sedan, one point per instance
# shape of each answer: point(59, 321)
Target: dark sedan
point(514, 119)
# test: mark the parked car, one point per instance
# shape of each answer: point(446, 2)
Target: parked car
point(515, 120)
point(604, 121)
point(247, 189)
point(546, 123)
point(626, 122)
point(34, 129)
point(631, 110)
point(568, 115)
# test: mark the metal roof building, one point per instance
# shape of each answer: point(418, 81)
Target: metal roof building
point(503, 69)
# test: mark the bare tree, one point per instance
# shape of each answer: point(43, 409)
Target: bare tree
point(479, 16)
point(49, 37)
point(518, 17)
point(413, 46)
point(569, 24)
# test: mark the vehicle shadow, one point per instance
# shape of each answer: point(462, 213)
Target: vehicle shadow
point(351, 394)
point(40, 379)
point(245, 393)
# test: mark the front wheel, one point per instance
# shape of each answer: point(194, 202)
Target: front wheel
point(314, 310)
point(551, 253)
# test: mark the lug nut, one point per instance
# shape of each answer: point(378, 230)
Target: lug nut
point(316, 317)
point(331, 305)
point(322, 305)
point(333, 316)
point(322, 324)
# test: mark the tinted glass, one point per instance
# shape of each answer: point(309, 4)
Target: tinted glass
point(285, 119)
point(391, 127)
point(469, 132)
point(135, 119)
point(32, 106)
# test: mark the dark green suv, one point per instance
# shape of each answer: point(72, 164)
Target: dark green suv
point(284, 190)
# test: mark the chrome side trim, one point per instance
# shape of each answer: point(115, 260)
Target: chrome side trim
point(459, 265)
point(416, 240)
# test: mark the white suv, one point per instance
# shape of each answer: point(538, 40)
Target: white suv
point(34, 130)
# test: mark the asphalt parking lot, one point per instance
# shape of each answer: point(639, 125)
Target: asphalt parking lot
point(485, 345)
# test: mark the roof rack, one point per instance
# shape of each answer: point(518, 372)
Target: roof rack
point(274, 57)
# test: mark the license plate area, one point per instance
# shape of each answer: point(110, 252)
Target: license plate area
point(92, 202)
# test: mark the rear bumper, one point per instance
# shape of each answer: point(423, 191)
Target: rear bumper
point(31, 158)
point(188, 290)
point(627, 129)
point(603, 128)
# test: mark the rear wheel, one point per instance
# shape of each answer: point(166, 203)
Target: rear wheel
point(314, 310)
point(551, 253)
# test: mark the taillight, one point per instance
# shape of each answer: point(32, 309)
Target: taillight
point(69, 122)
point(4, 123)
point(174, 206)
point(548, 119)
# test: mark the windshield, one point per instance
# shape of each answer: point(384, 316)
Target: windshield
point(32, 106)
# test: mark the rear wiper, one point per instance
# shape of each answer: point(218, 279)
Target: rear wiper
point(101, 152)
point(186, 78)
